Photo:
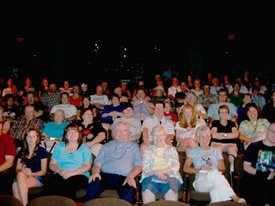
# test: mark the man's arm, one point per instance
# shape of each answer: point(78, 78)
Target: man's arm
point(130, 179)
point(8, 163)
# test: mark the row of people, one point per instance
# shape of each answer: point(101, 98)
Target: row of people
point(120, 161)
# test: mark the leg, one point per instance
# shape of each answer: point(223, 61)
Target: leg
point(148, 196)
point(232, 151)
point(15, 190)
point(171, 195)
point(94, 189)
point(127, 193)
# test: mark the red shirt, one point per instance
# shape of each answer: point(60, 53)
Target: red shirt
point(7, 147)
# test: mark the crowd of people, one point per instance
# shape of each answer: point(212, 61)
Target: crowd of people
point(117, 138)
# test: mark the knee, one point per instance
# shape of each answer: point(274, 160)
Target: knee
point(21, 175)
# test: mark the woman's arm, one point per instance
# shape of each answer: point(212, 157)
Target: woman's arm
point(42, 172)
point(221, 166)
point(188, 166)
point(248, 168)
point(100, 137)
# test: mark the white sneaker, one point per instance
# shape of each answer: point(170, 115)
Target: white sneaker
point(241, 200)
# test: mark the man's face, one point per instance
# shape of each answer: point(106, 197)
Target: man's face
point(30, 98)
point(121, 133)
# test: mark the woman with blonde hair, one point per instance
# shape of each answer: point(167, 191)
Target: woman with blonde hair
point(186, 128)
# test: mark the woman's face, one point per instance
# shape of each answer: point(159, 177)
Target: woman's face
point(191, 99)
point(159, 137)
point(32, 138)
point(204, 138)
point(188, 114)
point(88, 116)
point(86, 102)
point(252, 113)
point(223, 113)
point(72, 135)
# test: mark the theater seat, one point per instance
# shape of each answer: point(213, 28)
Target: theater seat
point(107, 201)
point(52, 200)
point(9, 200)
point(165, 203)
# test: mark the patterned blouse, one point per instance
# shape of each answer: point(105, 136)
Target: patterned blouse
point(171, 159)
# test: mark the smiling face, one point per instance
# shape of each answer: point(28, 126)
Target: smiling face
point(252, 114)
point(121, 132)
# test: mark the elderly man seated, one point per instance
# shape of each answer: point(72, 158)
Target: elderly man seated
point(116, 166)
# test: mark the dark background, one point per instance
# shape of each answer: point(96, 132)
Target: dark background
point(64, 47)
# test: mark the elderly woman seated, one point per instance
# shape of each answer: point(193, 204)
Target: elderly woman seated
point(207, 164)
point(160, 169)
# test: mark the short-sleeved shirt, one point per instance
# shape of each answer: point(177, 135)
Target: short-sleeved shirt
point(71, 161)
point(152, 121)
point(224, 129)
point(202, 157)
point(34, 163)
point(119, 157)
point(251, 129)
point(51, 129)
point(260, 156)
point(94, 129)
point(7, 147)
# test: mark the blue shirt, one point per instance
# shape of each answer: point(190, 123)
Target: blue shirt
point(52, 129)
point(72, 161)
point(119, 158)
point(202, 157)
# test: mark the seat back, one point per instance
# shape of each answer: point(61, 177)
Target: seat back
point(227, 203)
point(9, 200)
point(52, 200)
point(165, 203)
point(107, 201)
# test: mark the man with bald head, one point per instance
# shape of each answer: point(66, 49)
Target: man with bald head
point(259, 166)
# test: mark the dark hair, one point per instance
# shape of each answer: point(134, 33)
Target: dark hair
point(26, 152)
point(224, 107)
point(72, 127)
point(248, 106)
point(85, 110)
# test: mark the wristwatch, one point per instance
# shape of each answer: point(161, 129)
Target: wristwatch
point(225, 134)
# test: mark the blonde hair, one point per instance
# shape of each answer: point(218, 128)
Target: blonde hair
point(182, 119)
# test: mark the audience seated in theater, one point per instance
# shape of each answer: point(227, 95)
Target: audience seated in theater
point(12, 111)
point(69, 109)
point(50, 98)
point(212, 113)
point(156, 119)
point(99, 100)
point(169, 111)
point(254, 128)
point(192, 99)
point(258, 98)
point(91, 130)
point(4, 123)
point(197, 87)
point(76, 98)
point(66, 88)
point(31, 166)
point(241, 108)
point(111, 112)
point(53, 131)
point(133, 124)
point(160, 169)
point(225, 135)
point(186, 128)
point(207, 164)
point(7, 156)
point(180, 97)
point(43, 87)
point(70, 162)
point(206, 99)
point(259, 166)
point(174, 88)
point(215, 86)
point(269, 109)
point(142, 106)
point(28, 87)
point(38, 106)
point(236, 96)
point(22, 126)
point(116, 167)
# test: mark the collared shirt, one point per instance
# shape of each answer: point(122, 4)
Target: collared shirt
point(152, 121)
point(119, 157)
